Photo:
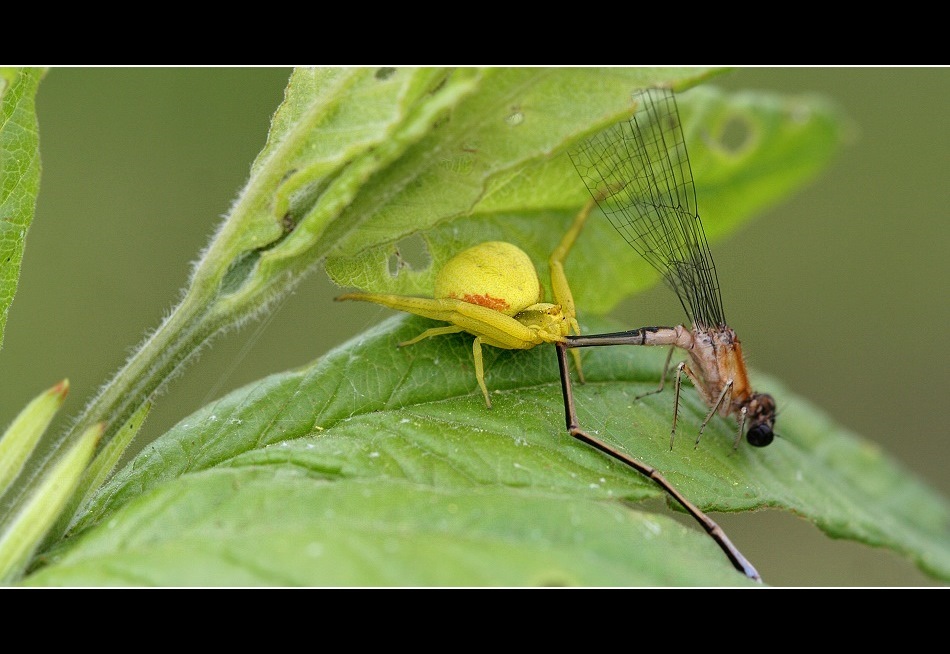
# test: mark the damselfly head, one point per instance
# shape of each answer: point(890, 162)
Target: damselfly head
point(761, 410)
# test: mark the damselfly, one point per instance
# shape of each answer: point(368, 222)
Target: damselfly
point(639, 174)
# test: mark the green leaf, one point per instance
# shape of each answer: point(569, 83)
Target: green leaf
point(26, 528)
point(283, 527)
point(19, 175)
point(517, 118)
point(22, 436)
point(410, 425)
point(335, 129)
point(101, 467)
point(747, 151)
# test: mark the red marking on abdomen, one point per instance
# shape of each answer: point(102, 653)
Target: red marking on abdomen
point(487, 301)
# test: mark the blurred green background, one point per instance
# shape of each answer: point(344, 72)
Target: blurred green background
point(839, 292)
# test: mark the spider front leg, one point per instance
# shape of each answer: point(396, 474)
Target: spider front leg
point(559, 283)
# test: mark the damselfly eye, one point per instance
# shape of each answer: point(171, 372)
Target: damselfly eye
point(760, 435)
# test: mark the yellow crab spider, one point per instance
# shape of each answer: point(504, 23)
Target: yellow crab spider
point(492, 291)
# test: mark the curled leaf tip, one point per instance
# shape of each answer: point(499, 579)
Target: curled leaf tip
point(61, 389)
point(95, 432)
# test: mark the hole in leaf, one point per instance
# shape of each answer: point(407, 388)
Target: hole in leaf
point(411, 253)
point(736, 135)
